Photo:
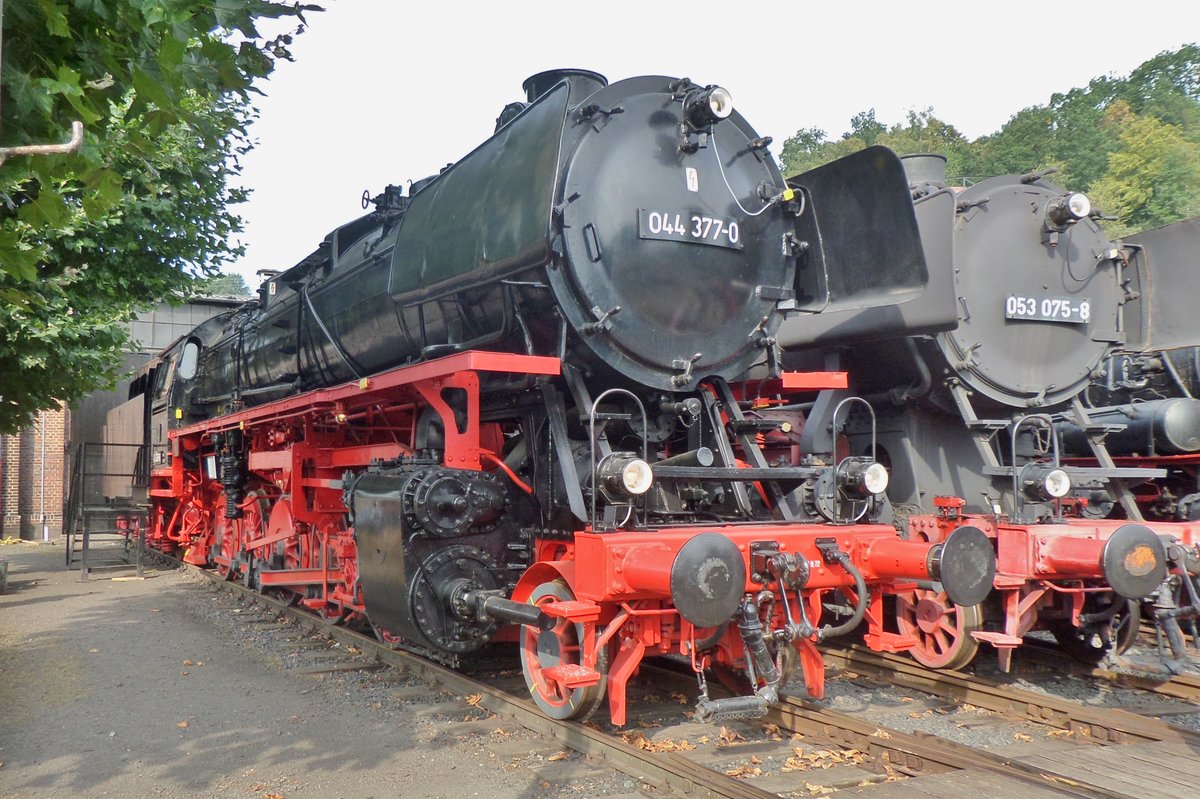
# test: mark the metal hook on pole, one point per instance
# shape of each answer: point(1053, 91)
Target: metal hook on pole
point(71, 145)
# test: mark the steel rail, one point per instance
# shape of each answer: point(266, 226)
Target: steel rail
point(1103, 725)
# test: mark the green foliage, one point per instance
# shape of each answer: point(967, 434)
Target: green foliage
point(222, 285)
point(922, 132)
point(164, 90)
point(1153, 176)
point(809, 149)
point(925, 133)
point(1131, 143)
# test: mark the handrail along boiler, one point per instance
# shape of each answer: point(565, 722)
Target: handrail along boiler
point(497, 406)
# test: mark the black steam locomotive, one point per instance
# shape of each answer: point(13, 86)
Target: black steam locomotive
point(501, 405)
point(971, 420)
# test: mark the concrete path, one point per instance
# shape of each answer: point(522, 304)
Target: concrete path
point(124, 689)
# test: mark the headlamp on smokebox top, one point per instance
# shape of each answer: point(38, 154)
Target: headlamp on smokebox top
point(1068, 209)
point(706, 107)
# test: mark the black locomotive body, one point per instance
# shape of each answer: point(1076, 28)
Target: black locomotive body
point(505, 399)
point(970, 419)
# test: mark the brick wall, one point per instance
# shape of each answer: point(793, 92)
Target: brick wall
point(32, 478)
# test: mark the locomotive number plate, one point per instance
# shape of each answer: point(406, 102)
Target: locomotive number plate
point(1048, 309)
point(689, 226)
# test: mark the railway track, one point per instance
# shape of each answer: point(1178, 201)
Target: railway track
point(802, 749)
point(1185, 687)
point(1102, 725)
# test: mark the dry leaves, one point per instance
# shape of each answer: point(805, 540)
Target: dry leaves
point(183, 725)
point(647, 724)
point(771, 730)
point(728, 736)
point(680, 698)
point(1020, 736)
point(638, 739)
point(881, 734)
point(187, 663)
point(743, 771)
point(474, 699)
point(818, 790)
point(500, 732)
point(1059, 733)
point(557, 756)
point(822, 759)
point(93, 651)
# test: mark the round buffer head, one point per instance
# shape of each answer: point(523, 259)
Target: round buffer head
point(965, 565)
point(1134, 561)
point(708, 579)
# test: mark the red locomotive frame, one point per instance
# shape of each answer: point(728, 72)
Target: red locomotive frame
point(608, 596)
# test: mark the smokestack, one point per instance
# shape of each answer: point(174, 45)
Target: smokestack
point(925, 169)
point(583, 83)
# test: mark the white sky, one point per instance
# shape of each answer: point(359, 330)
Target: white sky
point(387, 91)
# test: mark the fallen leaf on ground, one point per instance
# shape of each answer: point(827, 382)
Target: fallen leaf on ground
point(474, 699)
point(728, 736)
point(93, 651)
point(557, 756)
point(156, 610)
point(187, 663)
point(639, 740)
point(743, 771)
point(680, 698)
point(182, 725)
point(1020, 736)
point(183, 673)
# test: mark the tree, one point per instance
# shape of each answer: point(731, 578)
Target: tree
point(164, 90)
point(1153, 177)
point(925, 133)
point(809, 149)
point(866, 127)
point(223, 285)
